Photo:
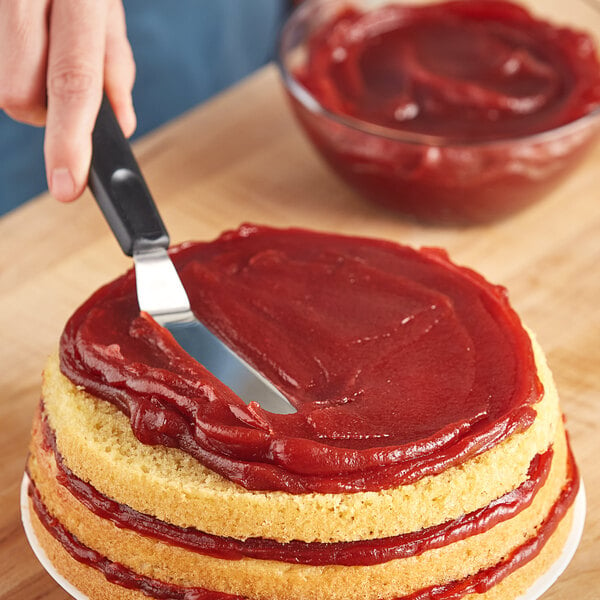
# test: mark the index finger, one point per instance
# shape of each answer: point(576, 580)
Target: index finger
point(77, 31)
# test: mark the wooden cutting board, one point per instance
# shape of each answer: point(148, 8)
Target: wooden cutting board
point(241, 158)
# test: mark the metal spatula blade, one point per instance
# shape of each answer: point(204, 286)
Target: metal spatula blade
point(120, 190)
point(161, 294)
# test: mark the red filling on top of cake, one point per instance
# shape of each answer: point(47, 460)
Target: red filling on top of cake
point(399, 362)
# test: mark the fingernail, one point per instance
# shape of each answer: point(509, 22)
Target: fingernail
point(62, 184)
point(130, 122)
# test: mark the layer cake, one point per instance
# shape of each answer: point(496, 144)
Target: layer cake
point(427, 458)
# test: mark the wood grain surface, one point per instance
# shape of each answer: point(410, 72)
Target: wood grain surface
point(241, 158)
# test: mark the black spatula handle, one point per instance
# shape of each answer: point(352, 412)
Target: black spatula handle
point(120, 190)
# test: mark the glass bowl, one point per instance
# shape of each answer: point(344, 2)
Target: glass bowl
point(433, 178)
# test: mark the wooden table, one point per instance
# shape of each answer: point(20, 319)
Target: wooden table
point(242, 158)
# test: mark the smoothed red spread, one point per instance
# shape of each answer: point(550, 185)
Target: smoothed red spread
point(464, 70)
point(477, 583)
point(401, 364)
point(366, 552)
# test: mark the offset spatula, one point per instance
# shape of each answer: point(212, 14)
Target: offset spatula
point(121, 192)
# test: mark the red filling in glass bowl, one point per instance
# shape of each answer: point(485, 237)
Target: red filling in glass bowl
point(462, 111)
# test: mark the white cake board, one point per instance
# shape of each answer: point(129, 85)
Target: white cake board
point(533, 593)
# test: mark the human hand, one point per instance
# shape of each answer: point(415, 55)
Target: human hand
point(56, 57)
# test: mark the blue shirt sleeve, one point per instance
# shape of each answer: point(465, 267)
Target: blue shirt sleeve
point(185, 52)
